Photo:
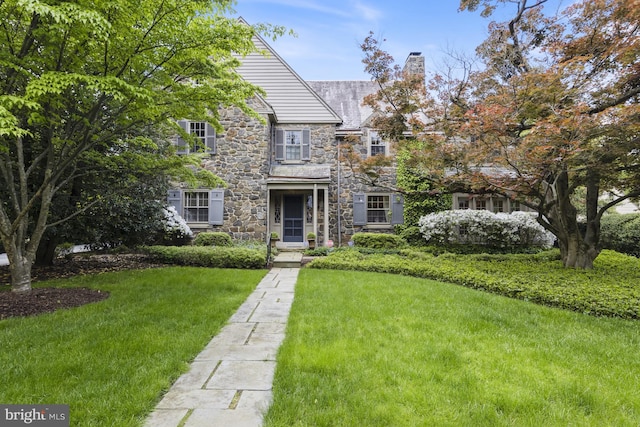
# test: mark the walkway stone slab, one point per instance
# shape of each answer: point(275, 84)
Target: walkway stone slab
point(230, 382)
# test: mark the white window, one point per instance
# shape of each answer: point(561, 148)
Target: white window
point(293, 144)
point(463, 203)
point(204, 135)
point(377, 147)
point(196, 206)
point(377, 209)
point(481, 204)
point(498, 205)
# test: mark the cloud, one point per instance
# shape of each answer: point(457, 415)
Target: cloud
point(366, 12)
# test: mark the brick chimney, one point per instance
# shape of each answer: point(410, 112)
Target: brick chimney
point(414, 64)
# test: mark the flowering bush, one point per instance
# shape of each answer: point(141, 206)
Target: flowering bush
point(176, 230)
point(482, 227)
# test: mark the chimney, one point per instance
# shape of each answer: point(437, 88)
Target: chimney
point(414, 64)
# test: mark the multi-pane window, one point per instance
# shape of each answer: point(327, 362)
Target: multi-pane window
point(199, 130)
point(481, 204)
point(196, 206)
point(376, 145)
point(498, 206)
point(463, 203)
point(293, 144)
point(515, 206)
point(377, 209)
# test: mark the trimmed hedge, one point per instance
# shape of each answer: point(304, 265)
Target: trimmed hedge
point(213, 256)
point(378, 240)
point(212, 238)
point(621, 233)
point(611, 289)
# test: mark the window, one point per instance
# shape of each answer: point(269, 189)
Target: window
point(376, 145)
point(498, 206)
point(293, 145)
point(515, 206)
point(204, 134)
point(463, 203)
point(377, 208)
point(196, 206)
point(481, 204)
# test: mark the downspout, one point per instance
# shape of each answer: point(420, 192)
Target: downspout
point(339, 222)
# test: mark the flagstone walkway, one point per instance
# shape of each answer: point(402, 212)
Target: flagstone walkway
point(230, 381)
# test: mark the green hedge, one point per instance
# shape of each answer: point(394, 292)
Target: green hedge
point(611, 289)
point(378, 240)
point(212, 238)
point(213, 256)
point(621, 233)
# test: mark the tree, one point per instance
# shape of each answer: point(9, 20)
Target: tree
point(554, 109)
point(80, 80)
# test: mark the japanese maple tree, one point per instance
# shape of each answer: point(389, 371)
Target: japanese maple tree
point(553, 110)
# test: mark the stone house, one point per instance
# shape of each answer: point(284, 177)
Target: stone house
point(285, 175)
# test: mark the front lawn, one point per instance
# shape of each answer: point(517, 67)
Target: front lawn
point(386, 350)
point(112, 360)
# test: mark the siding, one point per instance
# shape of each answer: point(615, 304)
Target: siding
point(292, 100)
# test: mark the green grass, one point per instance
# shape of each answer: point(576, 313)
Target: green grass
point(111, 361)
point(384, 350)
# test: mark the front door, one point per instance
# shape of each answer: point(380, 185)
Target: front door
point(293, 219)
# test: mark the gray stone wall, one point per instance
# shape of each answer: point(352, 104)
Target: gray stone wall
point(242, 161)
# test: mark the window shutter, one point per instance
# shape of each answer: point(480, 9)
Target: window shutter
point(359, 209)
point(183, 147)
point(279, 144)
point(306, 144)
point(216, 207)
point(210, 139)
point(174, 198)
point(397, 209)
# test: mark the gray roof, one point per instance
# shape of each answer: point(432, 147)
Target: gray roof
point(345, 98)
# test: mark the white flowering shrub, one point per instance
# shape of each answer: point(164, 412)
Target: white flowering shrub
point(174, 226)
point(480, 227)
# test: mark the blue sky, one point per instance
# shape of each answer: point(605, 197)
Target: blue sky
point(329, 32)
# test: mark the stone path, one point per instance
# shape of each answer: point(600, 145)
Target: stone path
point(230, 381)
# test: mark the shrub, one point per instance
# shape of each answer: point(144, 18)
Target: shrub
point(212, 238)
point(215, 256)
point(378, 240)
point(471, 227)
point(174, 227)
point(621, 232)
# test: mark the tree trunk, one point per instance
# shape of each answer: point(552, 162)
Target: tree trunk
point(46, 252)
point(20, 274)
point(577, 253)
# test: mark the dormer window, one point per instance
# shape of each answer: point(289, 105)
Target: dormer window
point(377, 146)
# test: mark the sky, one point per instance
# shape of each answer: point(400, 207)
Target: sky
point(329, 32)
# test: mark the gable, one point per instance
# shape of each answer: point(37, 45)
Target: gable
point(290, 97)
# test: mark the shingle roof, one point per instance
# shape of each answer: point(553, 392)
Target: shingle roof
point(345, 98)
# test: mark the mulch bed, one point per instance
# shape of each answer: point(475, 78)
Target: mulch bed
point(47, 299)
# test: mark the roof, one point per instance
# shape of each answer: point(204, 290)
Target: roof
point(345, 97)
point(300, 172)
point(290, 97)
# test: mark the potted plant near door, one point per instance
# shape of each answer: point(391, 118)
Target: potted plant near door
point(273, 239)
point(311, 238)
